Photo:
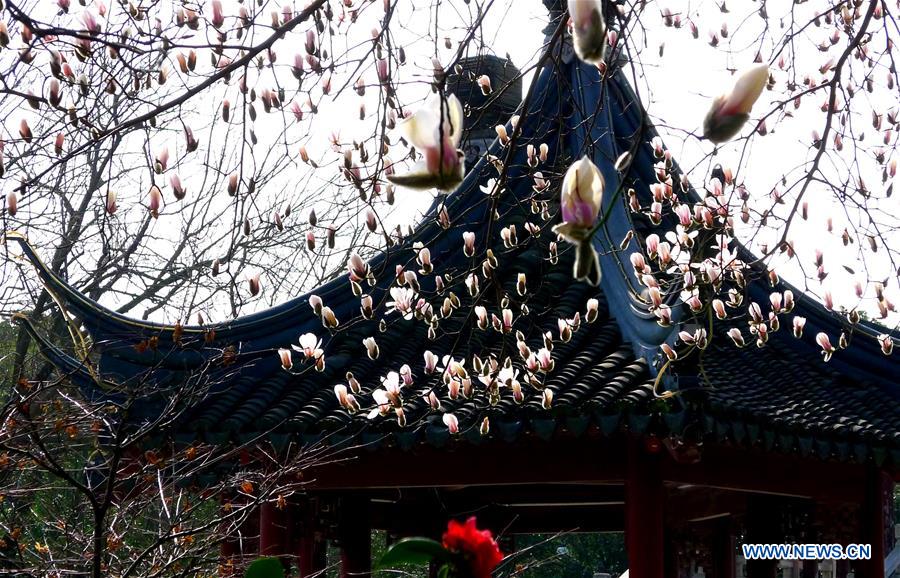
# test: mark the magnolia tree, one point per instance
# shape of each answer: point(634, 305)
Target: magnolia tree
point(190, 162)
point(84, 492)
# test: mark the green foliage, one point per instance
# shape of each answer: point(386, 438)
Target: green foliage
point(7, 353)
point(413, 551)
point(265, 568)
point(570, 555)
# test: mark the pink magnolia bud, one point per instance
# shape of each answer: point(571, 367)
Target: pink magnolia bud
point(357, 268)
point(588, 29)
point(110, 203)
point(372, 349)
point(655, 213)
point(828, 300)
point(581, 195)
point(451, 422)
point(593, 307)
point(638, 262)
point(177, 189)
point(287, 361)
point(755, 312)
point(719, 308)
point(670, 353)
point(329, 319)
point(430, 361)
point(433, 401)
point(547, 398)
point(886, 343)
point(484, 82)
point(218, 18)
point(788, 301)
point(25, 131)
point(665, 253)
point(58, 144)
point(190, 141)
point(162, 160)
point(469, 243)
point(155, 201)
point(316, 303)
point(798, 324)
point(729, 112)
point(500, 129)
point(53, 95)
point(825, 343)
point(90, 22)
point(683, 212)
point(12, 203)
point(664, 315)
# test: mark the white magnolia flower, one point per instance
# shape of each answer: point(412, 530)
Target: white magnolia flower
point(404, 300)
point(435, 130)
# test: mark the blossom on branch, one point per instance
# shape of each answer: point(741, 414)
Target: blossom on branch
point(581, 197)
point(435, 130)
point(729, 112)
point(588, 29)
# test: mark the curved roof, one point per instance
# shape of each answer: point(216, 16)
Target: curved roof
point(781, 396)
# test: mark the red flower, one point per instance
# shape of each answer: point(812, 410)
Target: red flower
point(477, 547)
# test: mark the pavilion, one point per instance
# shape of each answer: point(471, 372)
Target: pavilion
point(759, 445)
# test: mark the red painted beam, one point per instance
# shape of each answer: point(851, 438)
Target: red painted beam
point(530, 461)
point(757, 471)
point(644, 514)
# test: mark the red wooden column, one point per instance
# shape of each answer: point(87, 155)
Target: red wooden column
point(274, 531)
point(355, 537)
point(248, 535)
point(644, 534)
point(875, 513)
point(311, 544)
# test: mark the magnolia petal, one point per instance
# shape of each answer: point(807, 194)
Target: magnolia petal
point(419, 129)
point(455, 110)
